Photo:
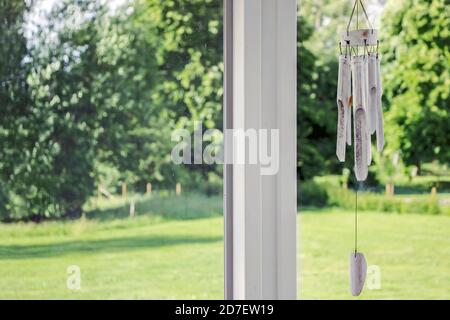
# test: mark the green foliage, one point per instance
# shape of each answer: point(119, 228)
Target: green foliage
point(93, 98)
point(88, 92)
point(159, 205)
point(90, 102)
point(98, 97)
point(189, 60)
point(371, 201)
point(14, 100)
point(309, 193)
point(416, 62)
point(316, 88)
point(368, 201)
point(135, 129)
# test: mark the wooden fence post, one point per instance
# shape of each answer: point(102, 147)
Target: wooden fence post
point(149, 189)
point(389, 189)
point(132, 208)
point(99, 193)
point(178, 189)
point(433, 191)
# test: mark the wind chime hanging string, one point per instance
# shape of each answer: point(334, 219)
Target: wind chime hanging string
point(359, 98)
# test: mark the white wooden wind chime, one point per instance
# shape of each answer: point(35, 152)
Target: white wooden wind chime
point(359, 89)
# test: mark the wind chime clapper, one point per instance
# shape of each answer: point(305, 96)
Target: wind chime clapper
point(359, 95)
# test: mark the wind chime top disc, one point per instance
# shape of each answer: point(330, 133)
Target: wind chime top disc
point(360, 37)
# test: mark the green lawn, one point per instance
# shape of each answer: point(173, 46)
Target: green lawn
point(124, 259)
point(411, 250)
point(148, 257)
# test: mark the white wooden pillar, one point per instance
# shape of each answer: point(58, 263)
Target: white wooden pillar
point(260, 210)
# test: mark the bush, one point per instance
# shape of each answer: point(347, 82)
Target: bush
point(309, 193)
point(163, 204)
point(368, 201)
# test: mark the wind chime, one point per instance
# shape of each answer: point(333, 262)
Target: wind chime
point(359, 98)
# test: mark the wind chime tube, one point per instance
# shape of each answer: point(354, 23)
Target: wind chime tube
point(366, 108)
point(379, 108)
point(349, 120)
point(349, 104)
point(359, 119)
point(342, 105)
point(373, 92)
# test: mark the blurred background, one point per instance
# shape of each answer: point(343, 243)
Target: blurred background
point(92, 207)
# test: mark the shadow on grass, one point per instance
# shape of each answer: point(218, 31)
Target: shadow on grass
point(313, 209)
point(183, 207)
point(97, 246)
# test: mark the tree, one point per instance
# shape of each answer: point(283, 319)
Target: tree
point(137, 129)
point(14, 99)
point(89, 85)
point(316, 96)
point(63, 122)
point(190, 66)
point(416, 83)
point(104, 91)
point(190, 57)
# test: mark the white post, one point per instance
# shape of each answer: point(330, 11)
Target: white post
point(264, 97)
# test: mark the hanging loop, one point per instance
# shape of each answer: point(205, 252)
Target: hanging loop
point(356, 6)
point(351, 16)
point(367, 17)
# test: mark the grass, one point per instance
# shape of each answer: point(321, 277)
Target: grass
point(161, 206)
point(128, 259)
point(167, 254)
point(412, 252)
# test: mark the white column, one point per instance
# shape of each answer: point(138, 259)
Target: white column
point(264, 97)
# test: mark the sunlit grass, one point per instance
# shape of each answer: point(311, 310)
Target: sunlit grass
point(411, 250)
point(132, 258)
point(150, 258)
